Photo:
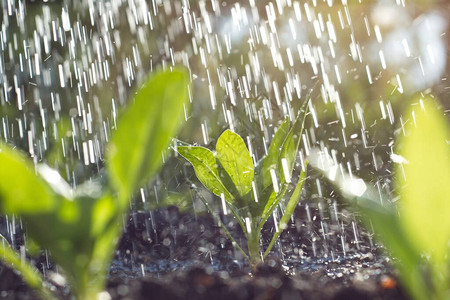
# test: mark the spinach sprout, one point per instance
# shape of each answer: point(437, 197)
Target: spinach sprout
point(250, 192)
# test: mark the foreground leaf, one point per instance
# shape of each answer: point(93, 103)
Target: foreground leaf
point(21, 191)
point(145, 130)
point(384, 219)
point(387, 225)
point(424, 182)
point(28, 272)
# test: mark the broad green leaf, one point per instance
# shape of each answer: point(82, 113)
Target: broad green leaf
point(21, 191)
point(205, 167)
point(144, 131)
point(288, 152)
point(424, 181)
point(272, 159)
point(236, 160)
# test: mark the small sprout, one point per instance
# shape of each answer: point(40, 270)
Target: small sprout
point(251, 193)
point(80, 227)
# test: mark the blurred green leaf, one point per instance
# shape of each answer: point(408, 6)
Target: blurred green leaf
point(424, 181)
point(385, 221)
point(73, 232)
point(144, 131)
point(419, 224)
point(387, 224)
point(80, 226)
point(21, 191)
point(65, 221)
point(182, 200)
point(28, 272)
point(205, 167)
point(236, 160)
point(103, 211)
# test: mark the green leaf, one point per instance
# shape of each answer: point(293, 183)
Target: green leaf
point(384, 219)
point(205, 167)
point(290, 208)
point(272, 203)
point(387, 225)
point(424, 181)
point(291, 144)
point(293, 201)
point(144, 131)
point(72, 224)
point(81, 235)
point(236, 160)
point(28, 272)
point(103, 211)
point(21, 191)
point(284, 146)
point(272, 159)
point(54, 180)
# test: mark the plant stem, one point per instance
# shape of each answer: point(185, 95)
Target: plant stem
point(29, 273)
point(290, 208)
point(90, 293)
point(253, 248)
point(237, 216)
point(225, 230)
point(233, 241)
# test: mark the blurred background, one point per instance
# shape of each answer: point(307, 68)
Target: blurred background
point(68, 68)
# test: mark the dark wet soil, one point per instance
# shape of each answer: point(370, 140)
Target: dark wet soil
point(166, 254)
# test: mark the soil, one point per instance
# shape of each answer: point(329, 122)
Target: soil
point(167, 254)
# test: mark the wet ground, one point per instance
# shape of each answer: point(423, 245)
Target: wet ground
point(166, 254)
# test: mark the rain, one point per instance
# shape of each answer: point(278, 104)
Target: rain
point(69, 68)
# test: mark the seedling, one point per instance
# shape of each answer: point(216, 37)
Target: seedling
point(417, 230)
point(252, 193)
point(80, 227)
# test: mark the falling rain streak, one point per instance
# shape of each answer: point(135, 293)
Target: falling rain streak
point(67, 69)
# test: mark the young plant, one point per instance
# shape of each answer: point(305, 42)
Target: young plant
point(80, 227)
point(416, 230)
point(252, 193)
